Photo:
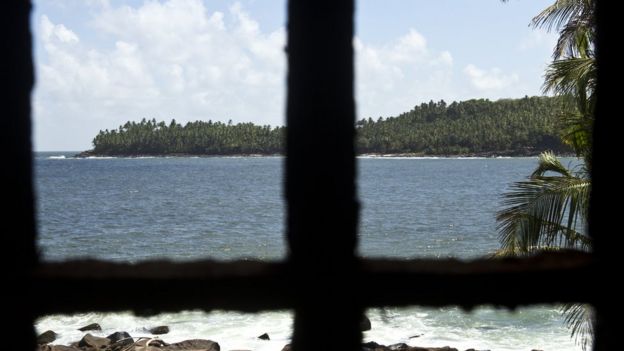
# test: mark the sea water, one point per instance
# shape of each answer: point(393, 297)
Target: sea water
point(134, 209)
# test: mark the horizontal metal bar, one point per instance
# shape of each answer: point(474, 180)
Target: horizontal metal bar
point(162, 286)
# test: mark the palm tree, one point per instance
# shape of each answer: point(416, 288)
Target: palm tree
point(573, 70)
point(548, 211)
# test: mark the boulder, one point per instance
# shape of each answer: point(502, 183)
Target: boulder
point(150, 342)
point(120, 336)
point(162, 329)
point(147, 344)
point(57, 348)
point(120, 339)
point(264, 336)
point(91, 342)
point(365, 324)
point(64, 348)
point(194, 345)
point(90, 327)
point(46, 337)
point(373, 346)
point(287, 348)
point(398, 347)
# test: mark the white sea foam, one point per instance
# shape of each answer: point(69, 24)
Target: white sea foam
point(232, 330)
point(57, 157)
point(240, 331)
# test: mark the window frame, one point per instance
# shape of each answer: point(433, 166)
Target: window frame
point(326, 285)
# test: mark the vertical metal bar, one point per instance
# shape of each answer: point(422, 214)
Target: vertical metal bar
point(320, 166)
point(604, 213)
point(18, 226)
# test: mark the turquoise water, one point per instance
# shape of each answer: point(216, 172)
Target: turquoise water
point(231, 208)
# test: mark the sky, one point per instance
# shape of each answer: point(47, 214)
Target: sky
point(100, 63)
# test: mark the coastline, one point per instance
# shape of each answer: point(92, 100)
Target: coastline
point(484, 154)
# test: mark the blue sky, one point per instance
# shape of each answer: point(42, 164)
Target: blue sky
point(100, 63)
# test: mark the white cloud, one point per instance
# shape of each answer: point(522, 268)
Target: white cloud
point(51, 32)
point(171, 59)
point(394, 77)
point(493, 79)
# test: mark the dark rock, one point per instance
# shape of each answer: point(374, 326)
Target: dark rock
point(64, 348)
point(120, 339)
point(287, 348)
point(92, 326)
point(163, 329)
point(445, 348)
point(46, 337)
point(371, 345)
point(415, 336)
point(87, 153)
point(56, 348)
point(152, 343)
point(195, 345)
point(365, 324)
point(264, 336)
point(93, 342)
point(399, 347)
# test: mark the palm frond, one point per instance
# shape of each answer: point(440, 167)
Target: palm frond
point(571, 76)
point(576, 131)
point(579, 318)
point(545, 211)
point(559, 13)
point(575, 39)
point(548, 162)
point(574, 19)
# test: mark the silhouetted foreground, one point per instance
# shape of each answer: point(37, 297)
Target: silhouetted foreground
point(510, 127)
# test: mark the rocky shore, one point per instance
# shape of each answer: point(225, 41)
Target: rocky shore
point(122, 341)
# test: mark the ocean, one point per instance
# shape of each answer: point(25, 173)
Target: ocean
point(226, 208)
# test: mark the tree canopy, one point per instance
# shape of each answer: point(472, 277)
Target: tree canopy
point(509, 126)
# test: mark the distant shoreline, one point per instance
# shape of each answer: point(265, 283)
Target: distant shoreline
point(485, 154)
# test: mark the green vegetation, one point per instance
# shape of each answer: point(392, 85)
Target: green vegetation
point(548, 211)
point(511, 127)
point(195, 138)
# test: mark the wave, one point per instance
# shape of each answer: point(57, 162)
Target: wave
point(57, 157)
point(485, 328)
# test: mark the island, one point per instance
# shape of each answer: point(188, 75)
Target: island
point(477, 127)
